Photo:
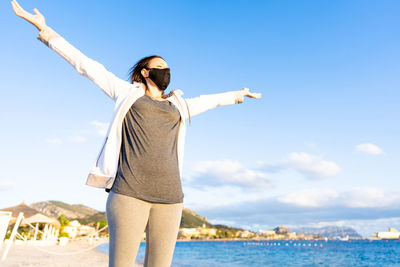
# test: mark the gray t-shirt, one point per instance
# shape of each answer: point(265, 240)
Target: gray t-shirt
point(148, 166)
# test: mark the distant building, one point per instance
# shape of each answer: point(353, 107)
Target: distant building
point(278, 233)
point(74, 229)
point(290, 235)
point(267, 232)
point(243, 234)
point(281, 230)
point(207, 231)
point(198, 232)
point(86, 230)
point(189, 233)
point(300, 236)
point(392, 234)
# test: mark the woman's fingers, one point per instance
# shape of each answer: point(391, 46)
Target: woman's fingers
point(254, 95)
point(15, 8)
point(18, 5)
point(19, 11)
point(36, 19)
point(246, 92)
point(37, 12)
point(18, 8)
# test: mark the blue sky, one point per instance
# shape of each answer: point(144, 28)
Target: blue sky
point(321, 147)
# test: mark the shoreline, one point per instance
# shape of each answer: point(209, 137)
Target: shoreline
point(74, 254)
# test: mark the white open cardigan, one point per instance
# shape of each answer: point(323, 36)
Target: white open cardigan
point(124, 94)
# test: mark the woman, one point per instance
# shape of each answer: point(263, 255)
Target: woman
point(141, 159)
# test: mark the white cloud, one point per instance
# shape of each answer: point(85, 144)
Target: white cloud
point(312, 166)
point(77, 139)
point(367, 197)
point(71, 139)
point(310, 198)
point(323, 224)
point(209, 197)
point(370, 149)
point(227, 172)
point(7, 185)
point(212, 184)
point(54, 141)
point(218, 221)
point(101, 127)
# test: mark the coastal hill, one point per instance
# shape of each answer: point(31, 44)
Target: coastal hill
point(190, 219)
point(328, 231)
point(86, 215)
point(56, 208)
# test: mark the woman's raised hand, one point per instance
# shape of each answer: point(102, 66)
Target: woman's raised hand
point(37, 20)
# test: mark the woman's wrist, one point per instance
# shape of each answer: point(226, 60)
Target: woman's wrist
point(239, 96)
point(41, 26)
point(46, 34)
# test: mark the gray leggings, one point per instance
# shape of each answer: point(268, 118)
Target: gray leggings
point(129, 217)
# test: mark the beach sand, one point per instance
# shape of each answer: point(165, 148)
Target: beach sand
point(46, 256)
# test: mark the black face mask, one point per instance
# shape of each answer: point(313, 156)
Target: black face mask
point(160, 77)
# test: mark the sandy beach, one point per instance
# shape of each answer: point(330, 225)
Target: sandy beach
point(49, 256)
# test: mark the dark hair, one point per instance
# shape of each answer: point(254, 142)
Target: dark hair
point(136, 75)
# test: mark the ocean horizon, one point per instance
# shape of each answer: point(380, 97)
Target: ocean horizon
point(285, 252)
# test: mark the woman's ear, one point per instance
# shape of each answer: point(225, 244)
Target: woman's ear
point(145, 73)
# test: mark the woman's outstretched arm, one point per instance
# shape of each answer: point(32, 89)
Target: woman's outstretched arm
point(96, 72)
point(203, 103)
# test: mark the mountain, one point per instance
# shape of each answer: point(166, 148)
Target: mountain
point(86, 215)
point(191, 219)
point(91, 219)
point(328, 231)
point(56, 208)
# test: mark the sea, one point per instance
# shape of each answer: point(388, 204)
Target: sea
point(282, 253)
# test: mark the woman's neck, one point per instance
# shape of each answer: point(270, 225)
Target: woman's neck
point(153, 91)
